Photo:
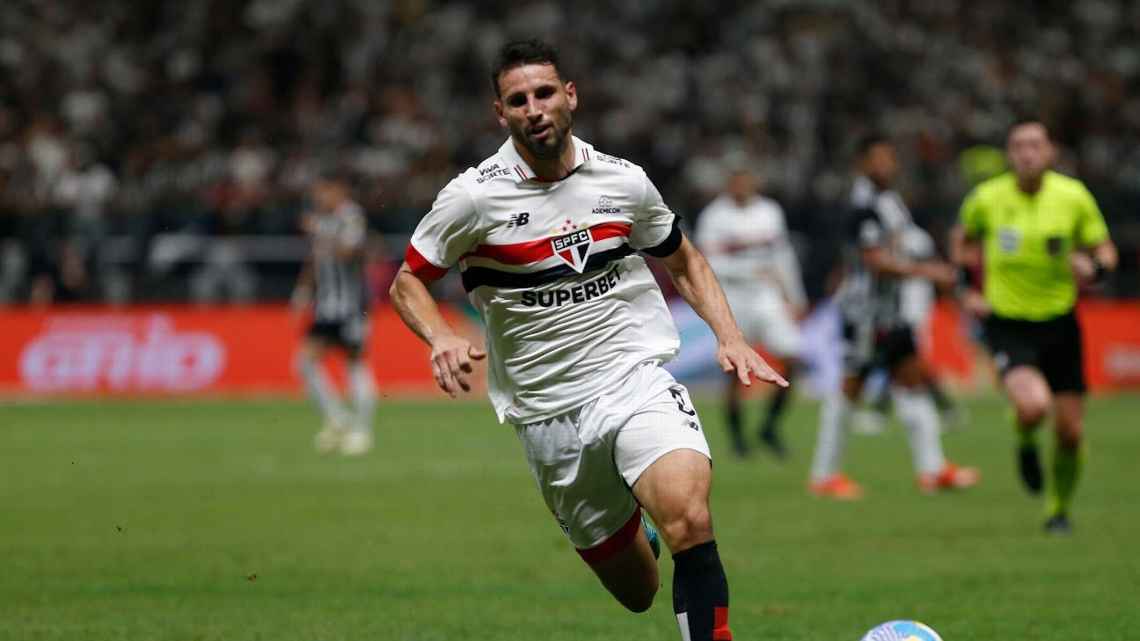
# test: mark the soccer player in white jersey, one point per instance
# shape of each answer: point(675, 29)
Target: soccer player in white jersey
point(332, 283)
point(745, 237)
point(876, 334)
point(546, 233)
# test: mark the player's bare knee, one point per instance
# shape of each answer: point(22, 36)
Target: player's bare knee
point(691, 527)
point(1031, 411)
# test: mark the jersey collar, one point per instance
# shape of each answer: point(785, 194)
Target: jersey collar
point(522, 172)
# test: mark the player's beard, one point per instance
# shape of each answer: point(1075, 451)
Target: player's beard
point(553, 145)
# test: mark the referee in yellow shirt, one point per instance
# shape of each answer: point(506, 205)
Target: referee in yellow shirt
point(1040, 234)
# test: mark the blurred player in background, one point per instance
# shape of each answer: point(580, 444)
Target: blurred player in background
point(1041, 233)
point(876, 334)
point(745, 237)
point(916, 302)
point(332, 284)
point(546, 233)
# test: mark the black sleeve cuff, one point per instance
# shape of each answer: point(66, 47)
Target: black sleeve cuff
point(671, 243)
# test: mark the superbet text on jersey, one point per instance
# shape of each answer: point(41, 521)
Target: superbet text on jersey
point(570, 307)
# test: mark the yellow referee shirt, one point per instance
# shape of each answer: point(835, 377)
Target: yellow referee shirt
point(1028, 239)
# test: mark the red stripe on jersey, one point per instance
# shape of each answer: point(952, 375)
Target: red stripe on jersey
point(720, 625)
point(616, 543)
point(534, 251)
point(421, 267)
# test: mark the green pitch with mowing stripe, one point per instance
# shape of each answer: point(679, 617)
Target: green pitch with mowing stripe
point(217, 521)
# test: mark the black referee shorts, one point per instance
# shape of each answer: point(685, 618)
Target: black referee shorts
point(1051, 346)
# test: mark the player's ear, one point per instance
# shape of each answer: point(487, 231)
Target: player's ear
point(498, 104)
point(571, 94)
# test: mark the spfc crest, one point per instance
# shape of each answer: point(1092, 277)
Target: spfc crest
point(573, 248)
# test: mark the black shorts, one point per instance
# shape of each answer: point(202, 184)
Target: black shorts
point(1051, 346)
point(349, 334)
point(869, 348)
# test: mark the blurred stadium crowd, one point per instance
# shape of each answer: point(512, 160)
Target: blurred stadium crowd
point(143, 145)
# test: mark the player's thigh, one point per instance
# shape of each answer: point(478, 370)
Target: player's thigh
point(858, 340)
point(1027, 389)
point(572, 463)
point(662, 453)
point(314, 346)
point(353, 336)
point(675, 492)
point(574, 472)
point(901, 357)
point(1062, 355)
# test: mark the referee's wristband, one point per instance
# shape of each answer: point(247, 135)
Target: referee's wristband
point(1101, 273)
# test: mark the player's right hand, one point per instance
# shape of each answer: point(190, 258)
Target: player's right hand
point(942, 274)
point(451, 358)
point(975, 304)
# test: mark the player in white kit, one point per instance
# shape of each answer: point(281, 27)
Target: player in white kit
point(547, 234)
point(745, 237)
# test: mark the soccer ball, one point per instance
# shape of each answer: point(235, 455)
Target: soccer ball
point(901, 631)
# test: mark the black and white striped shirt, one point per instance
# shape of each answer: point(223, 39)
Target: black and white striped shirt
point(341, 292)
point(878, 218)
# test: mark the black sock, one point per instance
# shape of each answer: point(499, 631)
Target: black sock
point(732, 415)
point(776, 406)
point(700, 594)
point(941, 400)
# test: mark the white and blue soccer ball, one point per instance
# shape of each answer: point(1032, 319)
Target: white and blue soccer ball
point(901, 631)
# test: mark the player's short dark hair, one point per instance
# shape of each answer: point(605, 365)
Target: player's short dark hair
point(869, 140)
point(1023, 120)
point(523, 52)
point(334, 174)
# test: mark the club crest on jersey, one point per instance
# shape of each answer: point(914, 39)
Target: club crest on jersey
point(573, 248)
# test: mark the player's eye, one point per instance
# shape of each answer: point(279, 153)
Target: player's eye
point(516, 100)
point(544, 91)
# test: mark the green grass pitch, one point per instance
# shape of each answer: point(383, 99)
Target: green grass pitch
point(216, 521)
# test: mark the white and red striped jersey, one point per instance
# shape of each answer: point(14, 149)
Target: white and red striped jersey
point(570, 308)
point(748, 248)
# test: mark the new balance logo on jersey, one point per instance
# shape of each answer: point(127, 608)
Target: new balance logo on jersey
point(519, 219)
point(573, 248)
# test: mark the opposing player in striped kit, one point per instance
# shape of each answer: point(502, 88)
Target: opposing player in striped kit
point(546, 233)
point(877, 334)
point(332, 283)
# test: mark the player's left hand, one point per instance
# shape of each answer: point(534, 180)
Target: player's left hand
point(738, 356)
point(1083, 267)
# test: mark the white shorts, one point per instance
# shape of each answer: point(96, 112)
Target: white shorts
point(765, 320)
point(586, 461)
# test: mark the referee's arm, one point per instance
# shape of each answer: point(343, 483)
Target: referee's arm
point(1095, 263)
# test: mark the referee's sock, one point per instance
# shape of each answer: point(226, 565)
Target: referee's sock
point(1026, 434)
point(700, 594)
point(1067, 464)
